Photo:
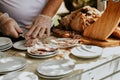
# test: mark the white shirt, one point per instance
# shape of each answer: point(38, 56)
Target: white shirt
point(23, 11)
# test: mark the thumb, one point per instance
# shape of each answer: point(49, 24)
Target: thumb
point(18, 29)
point(14, 33)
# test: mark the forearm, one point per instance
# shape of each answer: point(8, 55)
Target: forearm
point(51, 7)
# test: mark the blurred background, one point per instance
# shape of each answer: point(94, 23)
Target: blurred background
point(72, 5)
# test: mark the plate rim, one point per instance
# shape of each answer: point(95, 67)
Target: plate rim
point(6, 48)
point(23, 60)
point(20, 72)
point(42, 57)
point(65, 73)
point(43, 54)
point(20, 69)
point(83, 56)
point(50, 77)
point(14, 45)
point(9, 40)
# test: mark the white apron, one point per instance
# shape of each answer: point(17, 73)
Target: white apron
point(23, 11)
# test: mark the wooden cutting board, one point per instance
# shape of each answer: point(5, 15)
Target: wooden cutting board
point(106, 24)
point(110, 42)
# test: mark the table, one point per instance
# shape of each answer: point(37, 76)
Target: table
point(101, 68)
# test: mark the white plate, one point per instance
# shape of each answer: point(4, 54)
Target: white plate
point(20, 69)
point(47, 53)
point(41, 56)
point(20, 45)
point(11, 63)
point(20, 76)
point(56, 67)
point(50, 77)
point(79, 52)
point(4, 41)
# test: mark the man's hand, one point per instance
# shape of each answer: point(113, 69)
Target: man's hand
point(9, 27)
point(43, 22)
point(41, 25)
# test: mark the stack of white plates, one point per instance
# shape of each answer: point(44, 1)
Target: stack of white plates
point(19, 76)
point(53, 69)
point(10, 64)
point(5, 43)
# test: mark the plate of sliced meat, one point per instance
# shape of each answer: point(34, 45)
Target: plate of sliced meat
point(41, 50)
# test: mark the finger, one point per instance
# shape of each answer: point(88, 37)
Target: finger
point(42, 31)
point(48, 31)
point(27, 37)
point(27, 27)
point(18, 29)
point(36, 32)
point(28, 43)
point(30, 31)
point(14, 33)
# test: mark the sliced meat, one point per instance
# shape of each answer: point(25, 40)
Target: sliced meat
point(31, 42)
point(77, 21)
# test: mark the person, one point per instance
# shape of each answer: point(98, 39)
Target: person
point(35, 15)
